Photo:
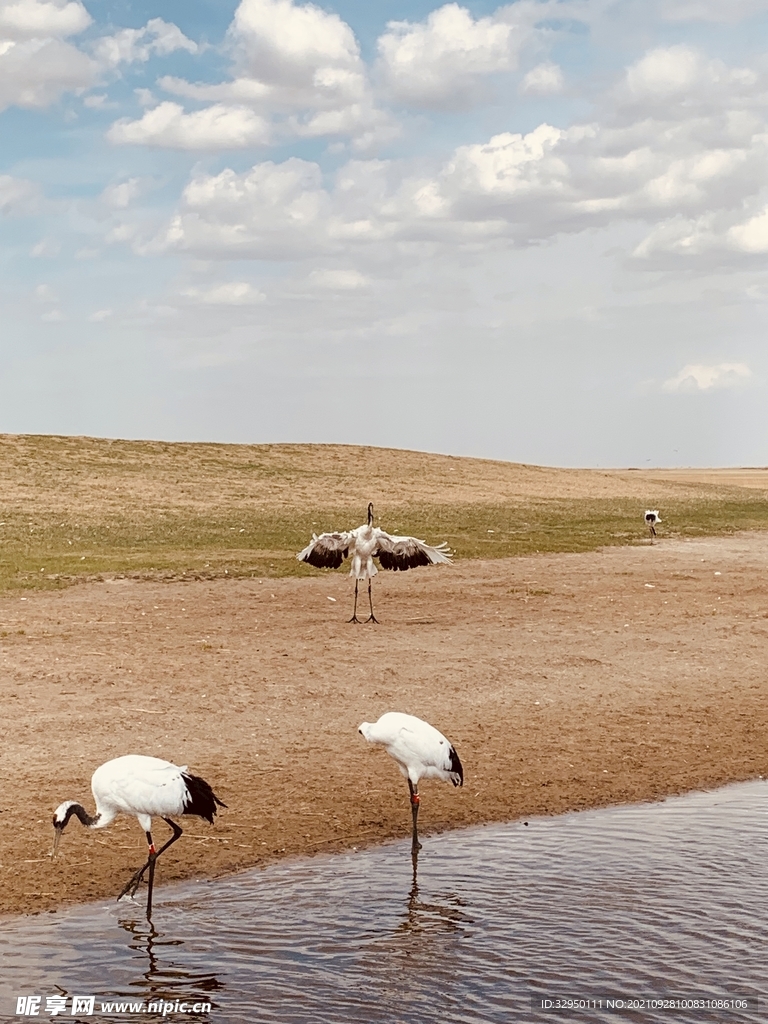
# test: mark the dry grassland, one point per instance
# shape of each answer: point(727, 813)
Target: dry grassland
point(79, 508)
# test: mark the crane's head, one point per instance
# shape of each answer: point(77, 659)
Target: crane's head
point(365, 729)
point(370, 513)
point(61, 817)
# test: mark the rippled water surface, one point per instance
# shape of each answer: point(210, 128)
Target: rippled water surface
point(659, 900)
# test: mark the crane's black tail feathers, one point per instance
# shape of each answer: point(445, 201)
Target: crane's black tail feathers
point(201, 800)
point(456, 767)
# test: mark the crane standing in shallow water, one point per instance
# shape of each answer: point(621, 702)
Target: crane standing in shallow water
point(364, 544)
point(420, 752)
point(143, 787)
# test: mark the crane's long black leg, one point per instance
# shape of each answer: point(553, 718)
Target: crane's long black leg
point(150, 886)
point(177, 832)
point(133, 884)
point(371, 617)
point(415, 845)
point(354, 613)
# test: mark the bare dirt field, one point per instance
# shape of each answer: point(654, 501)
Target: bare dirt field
point(564, 680)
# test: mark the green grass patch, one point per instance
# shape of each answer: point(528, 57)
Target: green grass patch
point(48, 550)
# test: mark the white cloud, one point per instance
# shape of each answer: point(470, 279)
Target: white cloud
point(233, 293)
point(338, 280)
point(40, 19)
point(97, 101)
point(216, 127)
point(99, 316)
point(156, 39)
point(699, 377)
point(720, 235)
point(752, 235)
point(17, 195)
point(665, 72)
point(293, 44)
point(146, 97)
point(122, 233)
point(36, 72)
point(683, 75)
point(691, 167)
point(248, 91)
point(120, 195)
point(543, 80)
point(46, 247)
point(275, 211)
point(300, 67)
point(36, 65)
point(55, 316)
point(710, 10)
point(439, 62)
point(367, 126)
point(504, 186)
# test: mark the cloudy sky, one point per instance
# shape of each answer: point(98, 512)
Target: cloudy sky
point(536, 231)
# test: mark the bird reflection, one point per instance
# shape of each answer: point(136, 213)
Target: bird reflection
point(446, 916)
point(163, 976)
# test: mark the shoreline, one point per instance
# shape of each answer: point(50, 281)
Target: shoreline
point(566, 682)
point(362, 845)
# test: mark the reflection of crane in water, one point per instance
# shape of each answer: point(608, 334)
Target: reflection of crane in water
point(165, 978)
point(444, 916)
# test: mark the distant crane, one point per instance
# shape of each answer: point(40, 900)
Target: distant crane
point(651, 518)
point(144, 787)
point(421, 752)
point(364, 544)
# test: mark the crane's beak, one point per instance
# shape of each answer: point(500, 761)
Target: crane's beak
point(56, 839)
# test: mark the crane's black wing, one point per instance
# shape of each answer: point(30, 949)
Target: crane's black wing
point(327, 551)
point(401, 553)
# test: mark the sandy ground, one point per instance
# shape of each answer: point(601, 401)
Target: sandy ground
point(565, 681)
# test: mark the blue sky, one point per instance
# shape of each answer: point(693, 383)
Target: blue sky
point(535, 231)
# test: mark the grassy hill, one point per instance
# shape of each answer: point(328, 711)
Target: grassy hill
point(75, 508)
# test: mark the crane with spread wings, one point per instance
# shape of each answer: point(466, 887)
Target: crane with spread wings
point(364, 544)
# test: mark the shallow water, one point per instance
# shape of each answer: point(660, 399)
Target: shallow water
point(655, 900)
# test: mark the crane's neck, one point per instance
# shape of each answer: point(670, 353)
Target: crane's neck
point(370, 513)
point(66, 811)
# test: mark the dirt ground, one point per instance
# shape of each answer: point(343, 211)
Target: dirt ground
point(565, 682)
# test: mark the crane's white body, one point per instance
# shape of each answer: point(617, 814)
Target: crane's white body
point(363, 545)
point(141, 786)
point(420, 751)
point(144, 786)
point(651, 518)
